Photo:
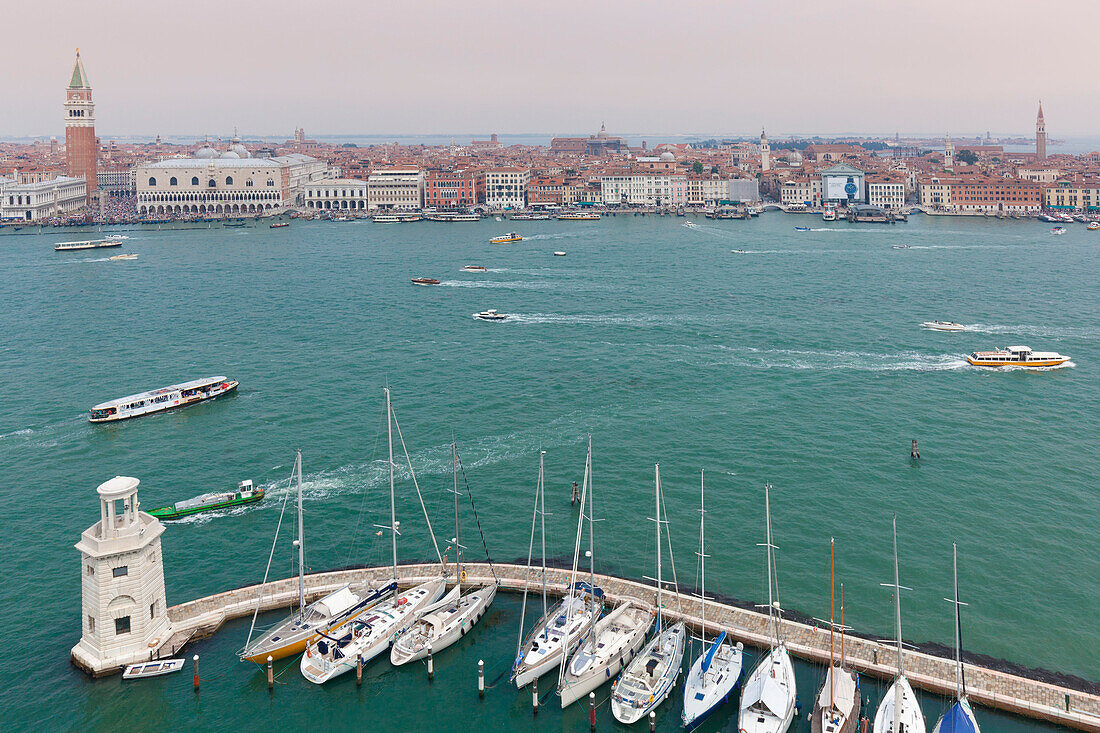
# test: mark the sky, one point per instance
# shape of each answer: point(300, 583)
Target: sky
point(473, 67)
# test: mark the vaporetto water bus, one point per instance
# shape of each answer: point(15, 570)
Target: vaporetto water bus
point(165, 398)
point(114, 241)
point(1021, 356)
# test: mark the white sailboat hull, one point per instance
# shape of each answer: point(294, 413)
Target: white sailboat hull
point(544, 650)
point(410, 646)
point(706, 691)
point(369, 635)
point(619, 636)
point(907, 714)
point(627, 705)
point(758, 716)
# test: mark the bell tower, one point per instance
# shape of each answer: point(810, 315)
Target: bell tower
point(765, 153)
point(1040, 134)
point(948, 153)
point(80, 144)
point(124, 615)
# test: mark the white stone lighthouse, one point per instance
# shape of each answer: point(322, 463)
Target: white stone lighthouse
point(123, 611)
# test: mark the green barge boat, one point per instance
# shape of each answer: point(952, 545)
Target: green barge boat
point(246, 493)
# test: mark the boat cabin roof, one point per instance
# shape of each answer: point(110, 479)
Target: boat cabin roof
point(193, 384)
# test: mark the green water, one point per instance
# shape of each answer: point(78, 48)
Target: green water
point(798, 362)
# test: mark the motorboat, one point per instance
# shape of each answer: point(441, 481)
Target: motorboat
point(473, 268)
point(1093, 226)
point(768, 698)
point(943, 326)
point(123, 257)
point(578, 216)
point(651, 676)
point(491, 315)
point(716, 671)
point(738, 251)
point(112, 241)
point(802, 229)
point(152, 669)
point(902, 246)
point(829, 214)
point(1058, 230)
point(279, 225)
point(165, 398)
point(1048, 218)
point(505, 238)
point(899, 709)
point(559, 253)
point(424, 281)
point(246, 493)
point(1021, 356)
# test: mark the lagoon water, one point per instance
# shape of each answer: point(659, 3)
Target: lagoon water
point(798, 362)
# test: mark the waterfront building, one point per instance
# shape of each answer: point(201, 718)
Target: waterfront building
point(230, 183)
point(1073, 196)
point(1040, 134)
point(453, 189)
point(800, 191)
point(842, 184)
point(996, 196)
point(546, 189)
point(706, 190)
point(80, 143)
point(42, 198)
point(124, 611)
point(341, 194)
point(117, 181)
point(644, 189)
point(935, 192)
point(398, 189)
point(506, 187)
point(886, 191)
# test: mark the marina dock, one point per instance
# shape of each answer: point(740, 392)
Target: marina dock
point(991, 688)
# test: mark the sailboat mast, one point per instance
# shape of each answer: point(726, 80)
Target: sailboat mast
point(960, 683)
point(657, 494)
point(542, 515)
point(842, 626)
point(393, 506)
point(458, 537)
point(591, 529)
point(832, 587)
point(768, 542)
point(897, 596)
point(301, 541)
point(702, 562)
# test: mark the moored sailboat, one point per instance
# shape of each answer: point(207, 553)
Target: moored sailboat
point(449, 620)
point(296, 631)
point(899, 711)
point(717, 670)
point(561, 628)
point(651, 676)
point(836, 709)
point(614, 640)
point(959, 718)
point(361, 639)
point(767, 700)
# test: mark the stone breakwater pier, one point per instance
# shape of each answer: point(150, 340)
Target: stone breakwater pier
point(992, 688)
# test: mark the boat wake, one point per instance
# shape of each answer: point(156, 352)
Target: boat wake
point(593, 320)
point(1037, 331)
point(821, 360)
point(496, 284)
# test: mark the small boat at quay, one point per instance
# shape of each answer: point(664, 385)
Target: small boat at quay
point(578, 216)
point(246, 493)
point(88, 244)
point(505, 238)
point(491, 315)
point(291, 635)
point(424, 281)
point(165, 398)
point(233, 224)
point(152, 669)
point(943, 326)
point(1093, 226)
point(473, 268)
point(1021, 356)
point(650, 677)
point(279, 225)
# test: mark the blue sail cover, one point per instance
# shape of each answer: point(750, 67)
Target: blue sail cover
point(713, 649)
point(958, 719)
point(589, 589)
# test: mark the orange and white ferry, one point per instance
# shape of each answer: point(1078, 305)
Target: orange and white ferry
point(1021, 356)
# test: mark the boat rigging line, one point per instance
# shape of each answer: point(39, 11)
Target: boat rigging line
point(417, 485)
point(477, 519)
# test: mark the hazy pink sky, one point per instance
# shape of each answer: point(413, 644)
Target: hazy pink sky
point(415, 66)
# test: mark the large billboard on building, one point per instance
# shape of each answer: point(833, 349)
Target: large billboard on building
point(843, 188)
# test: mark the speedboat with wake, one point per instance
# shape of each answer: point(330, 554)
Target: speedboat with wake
point(802, 229)
point(1058, 230)
point(943, 326)
point(424, 281)
point(123, 257)
point(650, 677)
point(491, 315)
point(1021, 356)
point(902, 246)
point(473, 268)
